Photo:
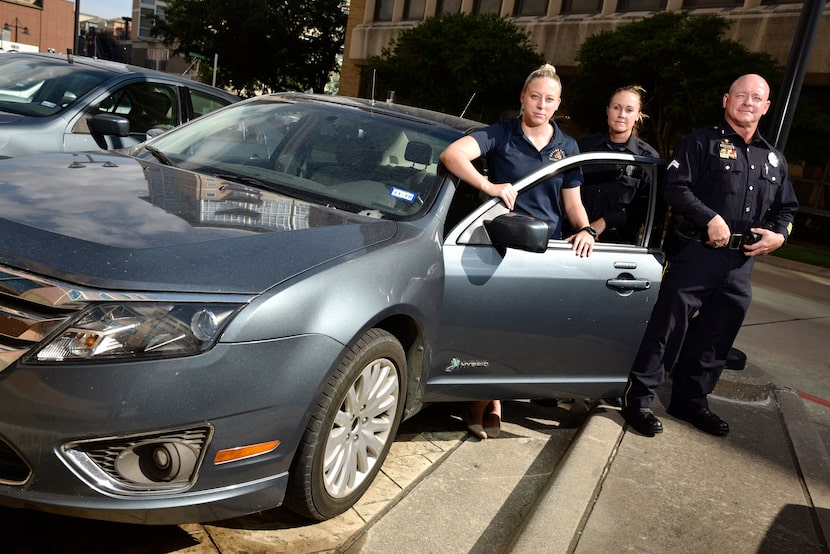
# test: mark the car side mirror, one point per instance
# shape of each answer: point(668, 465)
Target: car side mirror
point(109, 124)
point(512, 230)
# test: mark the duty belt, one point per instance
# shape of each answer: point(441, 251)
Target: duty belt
point(735, 242)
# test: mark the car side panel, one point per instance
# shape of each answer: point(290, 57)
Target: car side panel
point(539, 325)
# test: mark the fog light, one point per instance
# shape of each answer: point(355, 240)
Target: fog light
point(157, 462)
point(161, 457)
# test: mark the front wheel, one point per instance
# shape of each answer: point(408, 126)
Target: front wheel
point(351, 428)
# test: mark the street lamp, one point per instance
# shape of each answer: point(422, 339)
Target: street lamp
point(17, 26)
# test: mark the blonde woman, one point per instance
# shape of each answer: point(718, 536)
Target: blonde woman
point(514, 148)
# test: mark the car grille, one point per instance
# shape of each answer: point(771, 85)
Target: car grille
point(30, 309)
point(13, 469)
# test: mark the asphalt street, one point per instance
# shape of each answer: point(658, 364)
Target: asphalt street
point(787, 332)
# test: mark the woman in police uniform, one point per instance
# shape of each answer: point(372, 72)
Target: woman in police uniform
point(608, 190)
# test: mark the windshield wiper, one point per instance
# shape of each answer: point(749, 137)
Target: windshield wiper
point(245, 180)
point(158, 154)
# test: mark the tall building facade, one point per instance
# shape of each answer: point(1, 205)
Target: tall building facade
point(558, 28)
point(37, 25)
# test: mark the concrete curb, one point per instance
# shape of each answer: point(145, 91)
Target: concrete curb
point(575, 483)
point(810, 457)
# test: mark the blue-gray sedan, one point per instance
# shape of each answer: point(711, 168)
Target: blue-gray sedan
point(239, 314)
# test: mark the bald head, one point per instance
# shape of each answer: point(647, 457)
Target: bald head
point(745, 103)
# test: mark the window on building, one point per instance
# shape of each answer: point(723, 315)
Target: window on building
point(487, 6)
point(157, 58)
point(641, 5)
point(691, 4)
point(147, 10)
point(414, 9)
point(448, 6)
point(145, 22)
point(530, 8)
point(383, 10)
point(582, 6)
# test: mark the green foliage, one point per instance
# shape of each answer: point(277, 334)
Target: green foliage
point(809, 137)
point(448, 59)
point(263, 45)
point(682, 60)
point(813, 254)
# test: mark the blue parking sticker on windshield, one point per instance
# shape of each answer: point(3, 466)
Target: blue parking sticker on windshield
point(404, 195)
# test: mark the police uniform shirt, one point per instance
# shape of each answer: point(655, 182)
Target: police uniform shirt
point(511, 155)
point(713, 171)
point(608, 190)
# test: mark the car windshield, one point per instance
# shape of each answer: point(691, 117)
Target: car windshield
point(349, 158)
point(42, 87)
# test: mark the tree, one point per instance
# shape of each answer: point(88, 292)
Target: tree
point(263, 45)
point(452, 60)
point(682, 61)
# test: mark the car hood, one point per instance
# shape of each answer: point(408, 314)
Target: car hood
point(110, 221)
point(6, 118)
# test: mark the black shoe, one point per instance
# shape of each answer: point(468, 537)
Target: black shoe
point(704, 419)
point(642, 420)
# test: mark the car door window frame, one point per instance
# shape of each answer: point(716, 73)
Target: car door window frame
point(470, 229)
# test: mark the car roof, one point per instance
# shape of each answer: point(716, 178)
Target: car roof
point(105, 65)
point(411, 112)
point(117, 68)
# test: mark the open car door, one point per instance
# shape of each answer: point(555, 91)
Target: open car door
point(524, 317)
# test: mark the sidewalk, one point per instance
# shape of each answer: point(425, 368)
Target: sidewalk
point(763, 489)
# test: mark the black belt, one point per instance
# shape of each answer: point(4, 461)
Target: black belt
point(735, 242)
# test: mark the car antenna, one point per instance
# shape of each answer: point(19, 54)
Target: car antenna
point(470, 101)
point(374, 75)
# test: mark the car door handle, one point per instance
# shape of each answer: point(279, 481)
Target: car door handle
point(628, 283)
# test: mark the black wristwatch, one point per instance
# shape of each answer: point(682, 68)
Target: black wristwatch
point(591, 230)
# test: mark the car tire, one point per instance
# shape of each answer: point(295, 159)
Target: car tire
point(350, 430)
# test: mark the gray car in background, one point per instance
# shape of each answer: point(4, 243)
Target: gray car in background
point(57, 103)
point(239, 314)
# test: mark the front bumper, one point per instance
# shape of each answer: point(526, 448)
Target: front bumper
point(232, 396)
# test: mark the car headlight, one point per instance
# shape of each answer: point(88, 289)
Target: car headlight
point(138, 331)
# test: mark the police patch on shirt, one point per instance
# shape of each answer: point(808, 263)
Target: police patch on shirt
point(727, 150)
point(557, 154)
point(772, 159)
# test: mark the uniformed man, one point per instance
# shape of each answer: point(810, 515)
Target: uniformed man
point(731, 200)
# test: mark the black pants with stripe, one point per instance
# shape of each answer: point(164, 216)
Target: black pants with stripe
point(700, 308)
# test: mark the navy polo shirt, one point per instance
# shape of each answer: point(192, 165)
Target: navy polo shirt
point(713, 171)
point(511, 155)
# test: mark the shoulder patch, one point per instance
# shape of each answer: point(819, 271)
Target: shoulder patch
point(557, 154)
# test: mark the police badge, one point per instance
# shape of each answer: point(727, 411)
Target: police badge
point(772, 159)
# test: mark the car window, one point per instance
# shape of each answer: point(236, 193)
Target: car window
point(204, 103)
point(353, 159)
point(145, 105)
point(620, 193)
point(43, 87)
point(645, 211)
